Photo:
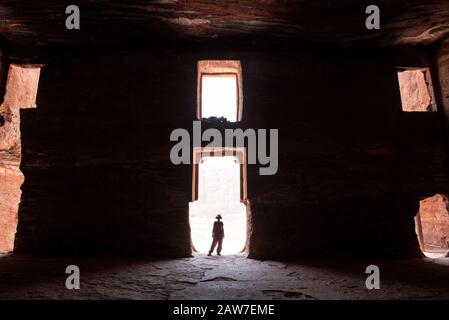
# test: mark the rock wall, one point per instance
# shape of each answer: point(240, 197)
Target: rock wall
point(442, 67)
point(10, 181)
point(415, 22)
point(18, 90)
point(416, 91)
point(351, 164)
point(434, 217)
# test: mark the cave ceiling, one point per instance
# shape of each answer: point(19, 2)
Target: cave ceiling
point(156, 23)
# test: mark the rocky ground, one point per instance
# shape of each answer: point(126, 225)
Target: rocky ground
point(225, 277)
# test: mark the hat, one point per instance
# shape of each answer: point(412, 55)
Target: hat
point(218, 216)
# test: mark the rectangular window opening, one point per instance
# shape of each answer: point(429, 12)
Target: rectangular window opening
point(416, 90)
point(220, 89)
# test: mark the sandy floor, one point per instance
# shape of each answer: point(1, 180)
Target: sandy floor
point(225, 277)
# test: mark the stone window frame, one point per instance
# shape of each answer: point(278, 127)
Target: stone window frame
point(220, 68)
point(239, 152)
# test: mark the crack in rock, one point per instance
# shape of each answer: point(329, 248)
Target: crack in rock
point(186, 282)
point(288, 294)
point(219, 279)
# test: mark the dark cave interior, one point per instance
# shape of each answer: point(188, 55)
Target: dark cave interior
point(86, 117)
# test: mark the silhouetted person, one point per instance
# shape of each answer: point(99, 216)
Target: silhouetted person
point(217, 236)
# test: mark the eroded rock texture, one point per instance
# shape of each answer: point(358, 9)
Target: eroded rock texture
point(442, 59)
point(416, 90)
point(434, 216)
point(268, 21)
point(351, 164)
point(20, 93)
point(10, 181)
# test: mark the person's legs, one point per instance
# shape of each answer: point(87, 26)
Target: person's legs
point(220, 245)
point(212, 247)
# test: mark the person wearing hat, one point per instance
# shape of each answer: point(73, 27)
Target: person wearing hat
point(217, 236)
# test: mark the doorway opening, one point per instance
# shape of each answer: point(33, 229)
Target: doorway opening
point(219, 187)
point(18, 85)
point(432, 226)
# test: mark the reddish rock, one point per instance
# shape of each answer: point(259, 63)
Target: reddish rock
point(435, 222)
point(238, 21)
point(20, 93)
point(11, 179)
point(415, 91)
